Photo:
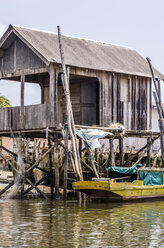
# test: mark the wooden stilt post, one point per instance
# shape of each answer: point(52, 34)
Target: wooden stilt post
point(80, 147)
point(51, 171)
point(21, 169)
point(121, 152)
point(161, 124)
point(112, 157)
point(65, 138)
point(66, 163)
point(56, 165)
point(149, 152)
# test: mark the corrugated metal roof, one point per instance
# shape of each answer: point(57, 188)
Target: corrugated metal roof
point(86, 53)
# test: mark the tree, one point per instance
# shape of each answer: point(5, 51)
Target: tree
point(4, 102)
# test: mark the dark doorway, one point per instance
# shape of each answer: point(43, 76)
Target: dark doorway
point(84, 92)
point(90, 103)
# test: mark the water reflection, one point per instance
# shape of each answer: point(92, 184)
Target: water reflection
point(33, 223)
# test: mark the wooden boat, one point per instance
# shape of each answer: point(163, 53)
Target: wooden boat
point(149, 184)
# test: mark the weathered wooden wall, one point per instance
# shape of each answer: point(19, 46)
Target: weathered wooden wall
point(35, 117)
point(122, 98)
point(17, 57)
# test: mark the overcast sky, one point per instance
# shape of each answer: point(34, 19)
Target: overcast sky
point(134, 23)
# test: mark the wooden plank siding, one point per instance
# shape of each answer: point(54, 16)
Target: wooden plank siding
point(19, 57)
point(134, 111)
point(120, 97)
point(35, 117)
point(75, 92)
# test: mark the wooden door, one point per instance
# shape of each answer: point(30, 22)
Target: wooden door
point(89, 103)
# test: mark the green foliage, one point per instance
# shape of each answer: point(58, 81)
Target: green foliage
point(4, 102)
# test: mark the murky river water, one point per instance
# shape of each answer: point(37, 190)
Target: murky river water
point(36, 223)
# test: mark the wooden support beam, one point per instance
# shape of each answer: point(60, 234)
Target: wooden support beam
point(97, 160)
point(6, 188)
point(132, 156)
point(56, 165)
point(22, 101)
point(112, 156)
point(156, 158)
point(7, 161)
point(121, 151)
point(87, 166)
point(53, 94)
point(65, 138)
point(149, 152)
point(140, 157)
point(36, 188)
point(22, 89)
point(7, 150)
point(36, 184)
point(51, 171)
point(40, 159)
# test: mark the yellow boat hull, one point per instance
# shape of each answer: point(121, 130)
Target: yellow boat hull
point(112, 190)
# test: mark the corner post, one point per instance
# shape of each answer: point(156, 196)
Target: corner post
point(22, 101)
point(53, 95)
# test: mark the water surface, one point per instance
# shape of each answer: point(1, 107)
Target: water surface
point(37, 223)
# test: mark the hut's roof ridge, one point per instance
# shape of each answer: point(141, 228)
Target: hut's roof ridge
point(74, 37)
point(85, 53)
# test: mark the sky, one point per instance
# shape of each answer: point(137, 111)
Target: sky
point(134, 23)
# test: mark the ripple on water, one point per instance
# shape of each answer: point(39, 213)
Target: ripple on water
point(36, 223)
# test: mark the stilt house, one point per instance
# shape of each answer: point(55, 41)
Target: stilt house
point(108, 83)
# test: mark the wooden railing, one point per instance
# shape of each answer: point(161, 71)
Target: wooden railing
point(33, 117)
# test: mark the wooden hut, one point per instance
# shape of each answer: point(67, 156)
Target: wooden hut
point(108, 83)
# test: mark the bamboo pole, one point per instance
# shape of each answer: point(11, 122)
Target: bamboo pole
point(71, 127)
point(51, 171)
point(56, 165)
point(65, 138)
point(156, 158)
point(153, 77)
point(157, 97)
